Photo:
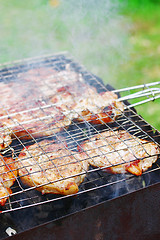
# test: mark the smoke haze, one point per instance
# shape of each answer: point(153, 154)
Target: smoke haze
point(92, 31)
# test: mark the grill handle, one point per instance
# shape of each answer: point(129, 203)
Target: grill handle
point(149, 92)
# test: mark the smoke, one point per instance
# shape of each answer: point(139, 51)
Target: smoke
point(124, 183)
point(92, 31)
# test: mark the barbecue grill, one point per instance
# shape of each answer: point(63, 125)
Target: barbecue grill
point(107, 206)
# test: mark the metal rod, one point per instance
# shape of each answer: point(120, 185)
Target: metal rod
point(136, 87)
point(142, 102)
point(139, 94)
point(151, 94)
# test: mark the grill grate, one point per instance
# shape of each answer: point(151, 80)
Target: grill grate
point(97, 182)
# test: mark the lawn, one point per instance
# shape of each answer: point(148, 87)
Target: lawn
point(118, 42)
point(144, 63)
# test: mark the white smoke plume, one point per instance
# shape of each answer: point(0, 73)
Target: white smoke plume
point(92, 31)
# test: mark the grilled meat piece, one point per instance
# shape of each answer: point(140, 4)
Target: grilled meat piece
point(8, 174)
point(127, 152)
point(52, 168)
point(5, 136)
point(38, 120)
point(81, 102)
point(48, 80)
point(23, 110)
point(98, 108)
point(33, 85)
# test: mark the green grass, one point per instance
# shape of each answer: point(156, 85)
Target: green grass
point(116, 40)
point(144, 62)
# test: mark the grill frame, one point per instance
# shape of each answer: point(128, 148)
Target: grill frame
point(130, 118)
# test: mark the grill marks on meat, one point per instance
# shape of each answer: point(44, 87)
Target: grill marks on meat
point(8, 174)
point(52, 166)
point(127, 152)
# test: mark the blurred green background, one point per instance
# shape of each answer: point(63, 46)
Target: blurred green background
point(118, 40)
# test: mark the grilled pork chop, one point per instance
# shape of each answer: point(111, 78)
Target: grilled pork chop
point(38, 120)
point(127, 152)
point(47, 80)
point(81, 102)
point(98, 108)
point(8, 174)
point(52, 168)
